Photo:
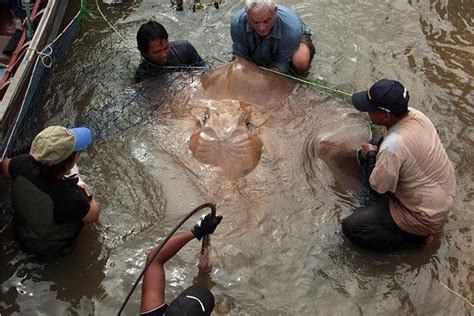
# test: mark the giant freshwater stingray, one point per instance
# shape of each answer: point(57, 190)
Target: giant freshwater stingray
point(244, 138)
point(278, 158)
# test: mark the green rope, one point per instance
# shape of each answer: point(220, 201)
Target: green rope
point(316, 84)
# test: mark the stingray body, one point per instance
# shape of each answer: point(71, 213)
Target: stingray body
point(242, 108)
point(240, 129)
point(226, 138)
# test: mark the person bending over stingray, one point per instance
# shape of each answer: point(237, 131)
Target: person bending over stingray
point(161, 56)
point(410, 169)
point(272, 36)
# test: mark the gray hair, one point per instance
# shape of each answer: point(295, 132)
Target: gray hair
point(257, 4)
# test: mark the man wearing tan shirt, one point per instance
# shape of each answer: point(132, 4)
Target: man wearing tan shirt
point(411, 171)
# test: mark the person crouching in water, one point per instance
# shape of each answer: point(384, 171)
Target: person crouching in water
point(161, 56)
point(50, 207)
point(410, 170)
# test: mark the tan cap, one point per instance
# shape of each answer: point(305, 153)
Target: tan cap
point(55, 143)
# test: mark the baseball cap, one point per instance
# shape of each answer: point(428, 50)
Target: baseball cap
point(194, 301)
point(385, 95)
point(55, 143)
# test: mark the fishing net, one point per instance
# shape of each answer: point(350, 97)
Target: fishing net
point(22, 123)
point(114, 113)
point(109, 106)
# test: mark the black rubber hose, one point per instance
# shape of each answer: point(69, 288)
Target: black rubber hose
point(197, 209)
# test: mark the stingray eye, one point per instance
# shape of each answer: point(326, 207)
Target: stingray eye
point(250, 126)
point(243, 119)
point(205, 117)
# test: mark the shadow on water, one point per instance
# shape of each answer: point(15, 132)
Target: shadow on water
point(57, 285)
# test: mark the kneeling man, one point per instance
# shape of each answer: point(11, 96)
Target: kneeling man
point(272, 36)
point(411, 171)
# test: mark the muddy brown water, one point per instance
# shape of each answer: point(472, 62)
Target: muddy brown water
point(279, 250)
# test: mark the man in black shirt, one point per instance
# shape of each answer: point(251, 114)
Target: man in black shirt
point(161, 56)
point(195, 300)
point(50, 205)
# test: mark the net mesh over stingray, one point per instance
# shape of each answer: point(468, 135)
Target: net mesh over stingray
point(112, 114)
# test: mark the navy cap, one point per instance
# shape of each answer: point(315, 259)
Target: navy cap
point(385, 95)
point(194, 301)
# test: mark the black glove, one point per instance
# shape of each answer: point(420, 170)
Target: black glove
point(206, 225)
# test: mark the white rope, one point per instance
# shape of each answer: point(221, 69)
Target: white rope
point(110, 24)
point(46, 53)
point(45, 56)
point(457, 294)
point(47, 61)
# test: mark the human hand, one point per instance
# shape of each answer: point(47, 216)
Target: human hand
point(206, 225)
point(86, 188)
point(368, 147)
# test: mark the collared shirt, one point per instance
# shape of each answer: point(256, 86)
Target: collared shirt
point(413, 166)
point(277, 48)
point(182, 54)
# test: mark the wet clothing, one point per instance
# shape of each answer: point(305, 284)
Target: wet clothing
point(158, 311)
point(48, 215)
point(413, 165)
point(277, 48)
point(182, 54)
point(195, 300)
point(417, 180)
point(373, 227)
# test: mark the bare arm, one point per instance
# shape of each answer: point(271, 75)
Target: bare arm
point(5, 164)
point(153, 286)
point(92, 215)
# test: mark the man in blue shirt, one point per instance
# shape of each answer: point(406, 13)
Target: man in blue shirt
point(272, 36)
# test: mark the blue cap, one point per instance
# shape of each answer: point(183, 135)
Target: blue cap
point(389, 96)
point(82, 136)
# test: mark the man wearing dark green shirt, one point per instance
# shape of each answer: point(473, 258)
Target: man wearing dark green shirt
point(161, 56)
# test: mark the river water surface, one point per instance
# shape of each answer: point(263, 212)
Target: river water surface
point(279, 249)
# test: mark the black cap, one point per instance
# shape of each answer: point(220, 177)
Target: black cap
point(385, 95)
point(194, 301)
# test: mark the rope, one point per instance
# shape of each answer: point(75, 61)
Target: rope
point(197, 209)
point(310, 83)
point(47, 51)
point(457, 294)
point(17, 120)
point(46, 60)
point(110, 24)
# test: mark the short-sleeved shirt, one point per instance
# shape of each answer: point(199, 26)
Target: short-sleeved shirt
point(413, 165)
point(182, 53)
point(70, 200)
point(158, 311)
point(277, 48)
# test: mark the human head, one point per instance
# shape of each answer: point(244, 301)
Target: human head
point(261, 15)
point(152, 41)
point(56, 144)
point(387, 97)
point(194, 301)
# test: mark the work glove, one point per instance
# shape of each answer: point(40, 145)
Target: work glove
point(206, 225)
